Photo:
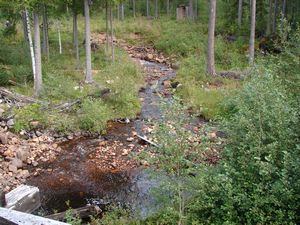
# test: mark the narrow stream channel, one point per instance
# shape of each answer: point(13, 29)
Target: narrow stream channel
point(75, 178)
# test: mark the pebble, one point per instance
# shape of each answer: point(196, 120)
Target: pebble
point(130, 139)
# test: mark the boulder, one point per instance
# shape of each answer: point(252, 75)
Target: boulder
point(13, 168)
point(3, 138)
point(22, 154)
point(17, 163)
point(10, 123)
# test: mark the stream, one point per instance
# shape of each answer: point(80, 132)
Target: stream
point(78, 178)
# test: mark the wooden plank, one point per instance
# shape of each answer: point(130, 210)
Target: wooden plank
point(83, 212)
point(24, 198)
point(16, 217)
point(148, 141)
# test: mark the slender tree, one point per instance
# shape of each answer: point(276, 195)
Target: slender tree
point(112, 34)
point(59, 37)
point(240, 13)
point(191, 10)
point(37, 53)
point(122, 11)
point(75, 34)
point(88, 70)
point(133, 8)
point(275, 15)
point(25, 28)
point(252, 33)
point(211, 39)
point(106, 25)
point(45, 32)
point(270, 16)
point(283, 12)
point(168, 7)
point(147, 8)
point(156, 9)
point(31, 47)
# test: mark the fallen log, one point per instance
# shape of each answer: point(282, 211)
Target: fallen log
point(83, 212)
point(67, 105)
point(17, 97)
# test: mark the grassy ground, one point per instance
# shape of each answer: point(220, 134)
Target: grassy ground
point(61, 83)
point(185, 43)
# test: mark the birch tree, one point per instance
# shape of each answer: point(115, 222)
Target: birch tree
point(88, 69)
point(37, 53)
point(211, 39)
point(29, 37)
point(252, 32)
point(112, 34)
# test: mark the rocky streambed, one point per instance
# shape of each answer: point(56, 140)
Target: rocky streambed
point(95, 170)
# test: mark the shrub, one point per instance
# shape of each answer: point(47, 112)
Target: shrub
point(258, 181)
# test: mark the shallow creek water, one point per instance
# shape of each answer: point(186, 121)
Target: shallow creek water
point(73, 177)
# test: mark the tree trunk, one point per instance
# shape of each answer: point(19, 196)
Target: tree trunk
point(168, 7)
point(275, 15)
point(147, 8)
point(25, 28)
point(240, 13)
point(122, 12)
point(29, 37)
point(156, 9)
point(88, 70)
point(45, 33)
point(284, 8)
point(191, 10)
point(59, 38)
point(211, 39)
point(196, 10)
point(252, 33)
point(106, 26)
point(133, 7)
point(75, 38)
point(283, 13)
point(112, 34)
point(38, 58)
point(270, 16)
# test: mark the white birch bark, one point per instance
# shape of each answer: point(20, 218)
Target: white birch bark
point(252, 33)
point(38, 58)
point(29, 37)
point(211, 39)
point(88, 71)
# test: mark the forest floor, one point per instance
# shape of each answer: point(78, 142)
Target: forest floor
point(94, 166)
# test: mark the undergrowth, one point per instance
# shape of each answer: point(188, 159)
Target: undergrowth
point(186, 44)
point(62, 82)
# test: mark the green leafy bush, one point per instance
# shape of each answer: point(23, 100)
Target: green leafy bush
point(258, 181)
point(93, 115)
point(27, 114)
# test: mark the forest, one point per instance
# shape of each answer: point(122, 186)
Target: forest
point(150, 111)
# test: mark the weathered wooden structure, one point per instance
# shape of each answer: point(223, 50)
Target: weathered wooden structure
point(9, 216)
point(182, 12)
point(23, 198)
